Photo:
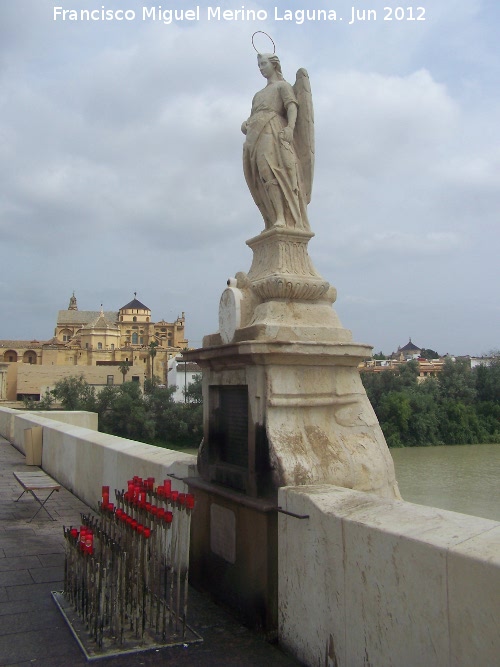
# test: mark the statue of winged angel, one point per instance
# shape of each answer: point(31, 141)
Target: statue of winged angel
point(278, 154)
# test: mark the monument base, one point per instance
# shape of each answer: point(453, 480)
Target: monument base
point(290, 413)
point(283, 405)
point(234, 553)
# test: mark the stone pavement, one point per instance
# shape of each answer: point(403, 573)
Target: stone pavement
point(33, 631)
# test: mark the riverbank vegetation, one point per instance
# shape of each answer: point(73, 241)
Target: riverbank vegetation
point(460, 405)
point(125, 410)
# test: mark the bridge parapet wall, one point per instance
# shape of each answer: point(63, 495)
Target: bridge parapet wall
point(13, 422)
point(83, 460)
point(368, 581)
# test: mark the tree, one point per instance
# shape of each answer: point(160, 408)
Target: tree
point(459, 424)
point(174, 423)
point(487, 385)
point(423, 425)
point(427, 353)
point(487, 380)
point(152, 353)
point(395, 414)
point(45, 403)
point(104, 407)
point(160, 405)
point(193, 392)
point(379, 384)
point(125, 411)
point(150, 385)
point(74, 393)
point(456, 381)
point(124, 367)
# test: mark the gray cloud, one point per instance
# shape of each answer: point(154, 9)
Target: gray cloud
point(120, 169)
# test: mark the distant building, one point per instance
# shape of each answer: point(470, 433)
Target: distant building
point(426, 367)
point(129, 327)
point(408, 351)
point(180, 375)
point(90, 338)
point(480, 361)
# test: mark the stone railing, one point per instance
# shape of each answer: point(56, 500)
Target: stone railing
point(367, 581)
point(83, 460)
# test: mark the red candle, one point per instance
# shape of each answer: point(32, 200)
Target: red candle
point(189, 501)
point(168, 517)
point(175, 495)
point(167, 485)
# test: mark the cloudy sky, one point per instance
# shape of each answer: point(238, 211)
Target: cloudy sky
point(120, 159)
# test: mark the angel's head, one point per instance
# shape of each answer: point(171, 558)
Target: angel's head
point(269, 64)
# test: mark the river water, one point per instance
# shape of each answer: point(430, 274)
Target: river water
point(461, 478)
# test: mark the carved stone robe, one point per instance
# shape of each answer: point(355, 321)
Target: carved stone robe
point(265, 150)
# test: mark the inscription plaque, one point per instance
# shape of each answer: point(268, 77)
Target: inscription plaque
point(223, 532)
point(235, 453)
point(229, 427)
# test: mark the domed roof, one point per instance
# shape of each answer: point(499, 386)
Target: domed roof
point(410, 347)
point(135, 304)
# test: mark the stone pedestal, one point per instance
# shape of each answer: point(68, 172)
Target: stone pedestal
point(283, 400)
point(308, 419)
point(283, 406)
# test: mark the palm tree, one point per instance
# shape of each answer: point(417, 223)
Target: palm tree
point(124, 367)
point(152, 353)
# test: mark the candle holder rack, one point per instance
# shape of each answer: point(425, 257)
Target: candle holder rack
point(126, 572)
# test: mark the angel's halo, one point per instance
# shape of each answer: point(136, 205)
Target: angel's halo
point(263, 33)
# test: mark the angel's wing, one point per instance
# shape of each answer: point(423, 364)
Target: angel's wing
point(304, 129)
